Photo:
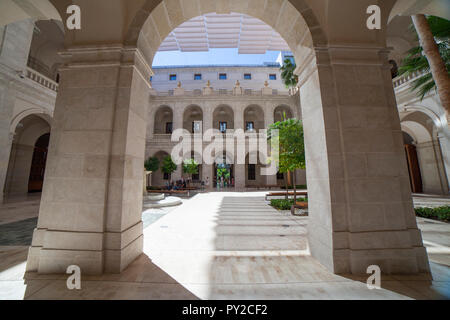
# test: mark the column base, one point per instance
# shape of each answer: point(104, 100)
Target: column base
point(53, 251)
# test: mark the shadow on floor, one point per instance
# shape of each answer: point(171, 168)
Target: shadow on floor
point(19, 233)
point(142, 280)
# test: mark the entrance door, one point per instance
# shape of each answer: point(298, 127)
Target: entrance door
point(415, 176)
point(223, 176)
point(36, 180)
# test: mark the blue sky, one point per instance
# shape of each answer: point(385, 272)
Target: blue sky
point(213, 56)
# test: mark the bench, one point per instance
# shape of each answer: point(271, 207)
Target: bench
point(284, 193)
point(269, 186)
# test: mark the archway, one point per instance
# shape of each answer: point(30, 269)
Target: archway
point(163, 120)
point(223, 118)
point(224, 172)
point(38, 164)
point(338, 103)
point(253, 118)
point(193, 119)
point(425, 152)
point(282, 112)
point(28, 156)
point(415, 176)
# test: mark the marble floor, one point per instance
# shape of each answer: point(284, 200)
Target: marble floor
point(220, 246)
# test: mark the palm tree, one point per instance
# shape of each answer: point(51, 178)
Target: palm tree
point(432, 56)
point(290, 80)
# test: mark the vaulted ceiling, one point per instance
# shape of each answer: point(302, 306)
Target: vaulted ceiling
point(248, 34)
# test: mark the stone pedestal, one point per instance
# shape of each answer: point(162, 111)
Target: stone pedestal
point(360, 206)
point(91, 206)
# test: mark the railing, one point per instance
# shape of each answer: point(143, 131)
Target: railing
point(41, 79)
point(222, 92)
point(398, 81)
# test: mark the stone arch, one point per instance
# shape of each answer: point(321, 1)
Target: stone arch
point(192, 114)
point(426, 153)
point(163, 120)
point(26, 134)
point(346, 238)
point(44, 10)
point(223, 113)
point(44, 114)
point(281, 111)
point(254, 114)
point(292, 19)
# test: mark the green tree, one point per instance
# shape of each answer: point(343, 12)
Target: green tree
point(290, 80)
point(417, 59)
point(168, 166)
point(291, 155)
point(223, 172)
point(190, 166)
point(151, 164)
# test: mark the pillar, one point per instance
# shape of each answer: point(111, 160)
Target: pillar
point(14, 52)
point(19, 169)
point(91, 207)
point(444, 142)
point(239, 177)
point(207, 172)
point(361, 210)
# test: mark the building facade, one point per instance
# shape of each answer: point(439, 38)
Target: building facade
point(249, 98)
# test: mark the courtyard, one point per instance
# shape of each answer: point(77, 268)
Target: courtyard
point(219, 245)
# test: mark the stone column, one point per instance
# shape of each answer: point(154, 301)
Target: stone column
point(207, 171)
point(91, 206)
point(444, 142)
point(268, 120)
point(178, 116)
point(238, 110)
point(361, 210)
point(19, 169)
point(14, 52)
point(7, 98)
point(239, 176)
point(177, 174)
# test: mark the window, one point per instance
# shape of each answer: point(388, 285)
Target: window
point(247, 76)
point(195, 176)
point(173, 77)
point(272, 76)
point(280, 176)
point(166, 176)
point(251, 172)
point(249, 126)
point(222, 76)
point(169, 126)
point(223, 127)
point(198, 76)
point(196, 126)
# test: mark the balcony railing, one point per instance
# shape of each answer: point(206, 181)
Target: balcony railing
point(222, 92)
point(41, 79)
point(400, 80)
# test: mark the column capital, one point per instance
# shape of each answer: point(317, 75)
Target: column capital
point(112, 55)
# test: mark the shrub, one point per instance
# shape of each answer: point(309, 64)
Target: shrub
point(439, 213)
point(283, 204)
